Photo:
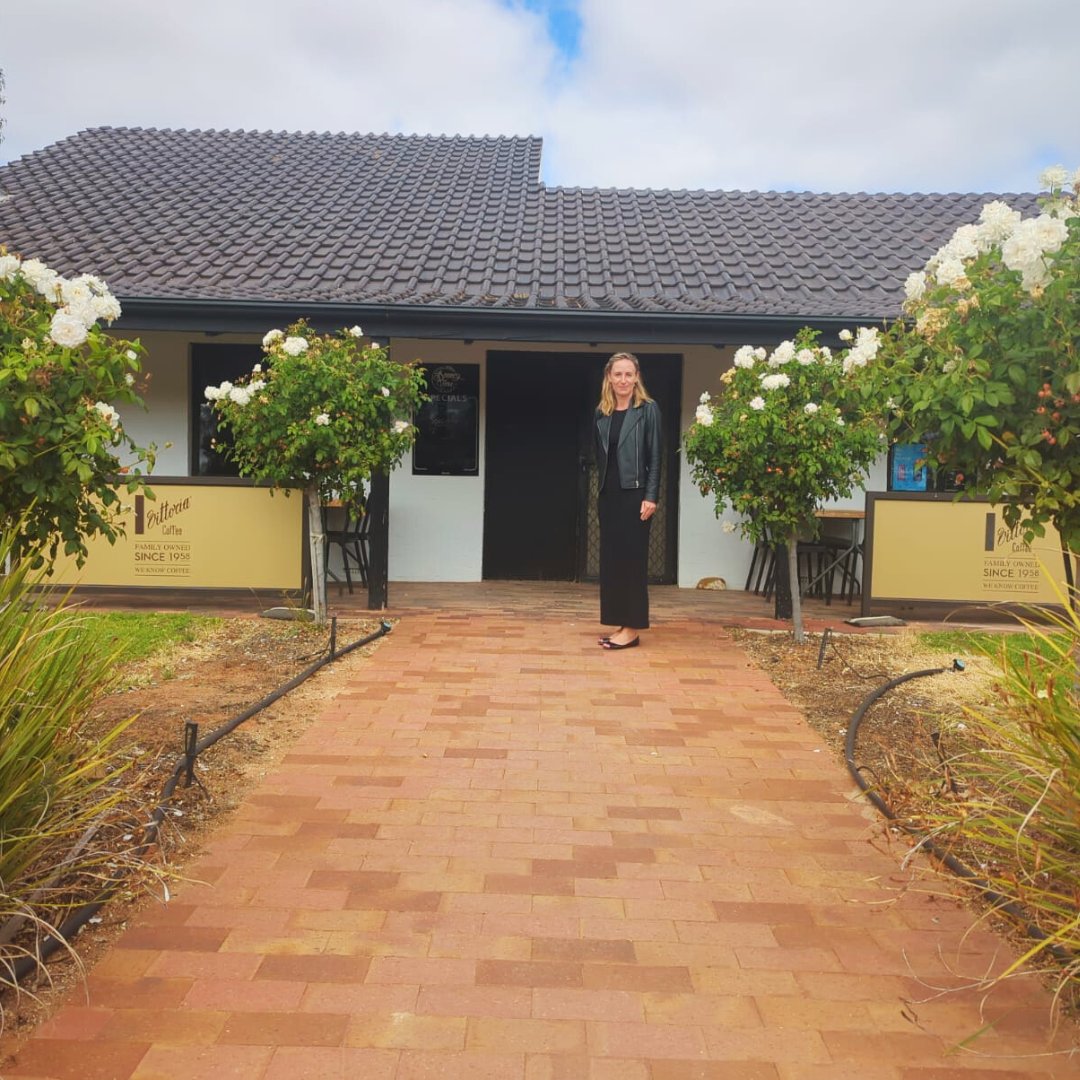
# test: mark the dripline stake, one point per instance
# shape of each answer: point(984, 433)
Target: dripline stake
point(191, 750)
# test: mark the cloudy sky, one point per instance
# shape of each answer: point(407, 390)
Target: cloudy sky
point(832, 95)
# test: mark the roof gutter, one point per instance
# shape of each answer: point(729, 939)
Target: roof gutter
point(472, 323)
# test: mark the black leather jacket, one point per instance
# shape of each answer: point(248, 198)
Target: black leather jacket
point(638, 452)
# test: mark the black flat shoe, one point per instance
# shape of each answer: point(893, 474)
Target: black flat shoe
point(609, 644)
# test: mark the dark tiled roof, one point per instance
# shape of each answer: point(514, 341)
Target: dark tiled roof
point(450, 221)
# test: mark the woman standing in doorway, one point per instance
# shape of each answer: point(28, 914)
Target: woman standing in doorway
point(628, 459)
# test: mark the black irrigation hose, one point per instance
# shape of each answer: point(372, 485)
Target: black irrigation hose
point(15, 971)
point(959, 868)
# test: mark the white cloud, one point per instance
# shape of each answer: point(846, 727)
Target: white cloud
point(838, 95)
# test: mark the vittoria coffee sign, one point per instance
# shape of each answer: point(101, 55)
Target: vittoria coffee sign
point(933, 548)
point(199, 536)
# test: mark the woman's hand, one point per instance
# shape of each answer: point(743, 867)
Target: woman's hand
point(647, 509)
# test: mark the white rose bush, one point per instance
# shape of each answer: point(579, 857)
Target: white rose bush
point(62, 445)
point(326, 412)
point(788, 431)
point(986, 371)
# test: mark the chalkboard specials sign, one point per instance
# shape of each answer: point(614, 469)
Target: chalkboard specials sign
point(448, 425)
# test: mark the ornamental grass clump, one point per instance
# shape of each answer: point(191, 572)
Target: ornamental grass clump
point(1013, 812)
point(789, 431)
point(62, 815)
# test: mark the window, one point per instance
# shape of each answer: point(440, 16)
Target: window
point(210, 366)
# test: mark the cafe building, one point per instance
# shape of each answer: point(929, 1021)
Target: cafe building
point(510, 292)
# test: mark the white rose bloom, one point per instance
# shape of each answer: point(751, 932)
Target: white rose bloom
point(83, 310)
point(867, 344)
point(93, 283)
point(810, 408)
point(964, 243)
point(401, 426)
point(728, 526)
point(225, 387)
point(256, 369)
point(774, 382)
point(294, 346)
point(271, 338)
point(997, 221)
point(1053, 178)
point(323, 419)
point(845, 335)
point(1050, 232)
point(745, 357)
point(385, 391)
point(376, 345)
point(915, 285)
point(826, 353)
point(839, 421)
point(108, 414)
point(211, 393)
point(255, 386)
point(131, 354)
point(74, 292)
point(129, 379)
point(106, 307)
point(805, 357)
point(9, 267)
point(782, 354)
point(41, 278)
point(949, 271)
point(239, 395)
point(704, 415)
point(356, 331)
point(757, 404)
point(1026, 249)
point(704, 399)
point(760, 353)
point(67, 330)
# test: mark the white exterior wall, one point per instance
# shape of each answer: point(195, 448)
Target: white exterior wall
point(705, 550)
point(437, 522)
point(165, 419)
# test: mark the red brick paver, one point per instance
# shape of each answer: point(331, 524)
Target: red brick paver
point(505, 853)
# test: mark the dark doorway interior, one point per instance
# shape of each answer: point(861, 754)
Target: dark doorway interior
point(540, 477)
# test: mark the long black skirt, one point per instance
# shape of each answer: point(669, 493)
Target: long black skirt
point(624, 559)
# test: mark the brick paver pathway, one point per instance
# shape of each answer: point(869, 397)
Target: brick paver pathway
point(508, 854)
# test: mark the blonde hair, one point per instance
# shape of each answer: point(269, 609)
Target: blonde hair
point(607, 395)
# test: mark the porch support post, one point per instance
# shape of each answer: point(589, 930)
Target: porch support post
point(378, 509)
point(782, 592)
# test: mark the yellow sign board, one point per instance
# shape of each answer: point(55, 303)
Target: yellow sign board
point(926, 547)
point(198, 536)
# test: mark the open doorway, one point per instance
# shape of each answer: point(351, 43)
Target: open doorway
point(540, 476)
